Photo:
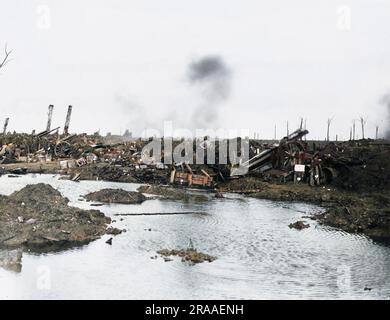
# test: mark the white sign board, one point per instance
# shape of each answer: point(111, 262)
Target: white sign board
point(299, 168)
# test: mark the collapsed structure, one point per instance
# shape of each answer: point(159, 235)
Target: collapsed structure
point(290, 159)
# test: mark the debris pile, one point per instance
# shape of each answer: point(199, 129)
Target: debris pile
point(38, 217)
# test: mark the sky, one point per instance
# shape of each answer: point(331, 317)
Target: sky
point(123, 64)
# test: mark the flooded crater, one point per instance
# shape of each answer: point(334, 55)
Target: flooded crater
point(257, 255)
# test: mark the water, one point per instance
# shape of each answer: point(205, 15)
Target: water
point(259, 256)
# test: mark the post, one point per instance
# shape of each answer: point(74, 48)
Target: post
point(353, 129)
point(5, 126)
point(376, 132)
point(49, 116)
point(287, 130)
point(67, 121)
point(275, 133)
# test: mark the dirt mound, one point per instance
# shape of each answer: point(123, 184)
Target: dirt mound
point(116, 196)
point(38, 217)
point(38, 194)
point(190, 255)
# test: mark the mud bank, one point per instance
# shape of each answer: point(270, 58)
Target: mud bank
point(38, 218)
point(352, 211)
point(116, 196)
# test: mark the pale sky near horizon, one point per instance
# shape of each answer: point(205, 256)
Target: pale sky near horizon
point(122, 64)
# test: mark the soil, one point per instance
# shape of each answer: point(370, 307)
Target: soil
point(362, 167)
point(39, 218)
point(116, 196)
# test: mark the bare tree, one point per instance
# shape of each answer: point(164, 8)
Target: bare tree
point(6, 57)
point(329, 121)
point(363, 122)
point(288, 131)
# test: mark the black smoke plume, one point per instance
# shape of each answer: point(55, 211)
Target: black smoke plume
point(211, 77)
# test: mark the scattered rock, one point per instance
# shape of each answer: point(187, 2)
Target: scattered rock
point(116, 196)
point(109, 241)
point(299, 225)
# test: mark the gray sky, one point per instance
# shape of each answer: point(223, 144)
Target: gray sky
point(123, 64)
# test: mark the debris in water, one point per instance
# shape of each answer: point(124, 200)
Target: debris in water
point(299, 225)
point(190, 255)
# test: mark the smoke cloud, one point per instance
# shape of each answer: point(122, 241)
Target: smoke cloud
point(211, 78)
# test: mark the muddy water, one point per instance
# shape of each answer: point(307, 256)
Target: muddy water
point(259, 256)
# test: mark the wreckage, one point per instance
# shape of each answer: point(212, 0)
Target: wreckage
point(290, 159)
